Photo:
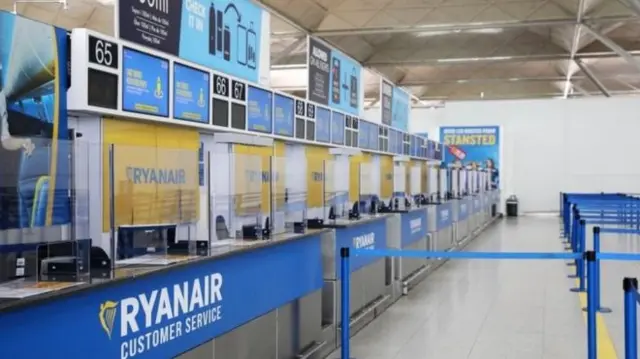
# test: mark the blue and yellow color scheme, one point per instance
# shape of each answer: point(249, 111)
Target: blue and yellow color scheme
point(163, 315)
point(145, 84)
point(34, 146)
point(155, 172)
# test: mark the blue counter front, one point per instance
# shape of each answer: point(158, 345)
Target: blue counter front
point(413, 226)
point(443, 216)
point(161, 315)
point(371, 234)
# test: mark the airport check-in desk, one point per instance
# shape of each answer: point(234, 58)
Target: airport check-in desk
point(370, 276)
point(461, 219)
point(256, 299)
point(414, 235)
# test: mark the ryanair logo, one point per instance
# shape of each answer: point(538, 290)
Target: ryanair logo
point(107, 316)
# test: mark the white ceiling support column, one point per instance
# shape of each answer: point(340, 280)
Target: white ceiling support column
point(612, 45)
point(592, 77)
point(463, 27)
point(575, 44)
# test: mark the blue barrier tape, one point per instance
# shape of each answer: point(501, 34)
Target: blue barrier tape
point(619, 256)
point(619, 230)
point(465, 255)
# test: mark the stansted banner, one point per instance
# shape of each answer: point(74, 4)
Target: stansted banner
point(473, 147)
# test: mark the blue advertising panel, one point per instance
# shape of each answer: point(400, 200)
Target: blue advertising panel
point(283, 108)
point(259, 112)
point(162, 315)
point(477, 206)
point(220, 34)
point(369, 235)
point(337, 128)
point(345, 85)
point(145, 83)
point(473, 146)
point(431, 149)
point(414, 226)
point(373, 136)
point(463, 211)
point(323, 124)
point(363, 135)
point(190, 94)
point(34, 153)
point(400, 109)
point(443, 216)
point(415, 148)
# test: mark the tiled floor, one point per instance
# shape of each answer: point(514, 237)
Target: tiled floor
point(487, 309)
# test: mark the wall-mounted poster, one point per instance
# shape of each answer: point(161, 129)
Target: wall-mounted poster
point(34, 150)
point(473, 147)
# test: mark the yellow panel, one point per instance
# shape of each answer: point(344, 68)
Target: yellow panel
point(280, 174)
point(386, 176)
point(354, 175)
point(155, 173)
point(134, 149)
point(177, 153)
point(316, 156)
point(247, 178)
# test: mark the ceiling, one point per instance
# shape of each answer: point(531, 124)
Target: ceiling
point(443, 49)
point(476, 49)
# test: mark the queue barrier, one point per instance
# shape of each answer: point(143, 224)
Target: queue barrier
point(591, 259)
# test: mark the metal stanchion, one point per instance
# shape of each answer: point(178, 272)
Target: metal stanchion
point(344, 314)
point(630, 286)
point(596, 249)
point(592, 346)
point(580, 246)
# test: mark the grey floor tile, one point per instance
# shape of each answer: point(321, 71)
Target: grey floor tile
point(486, 309)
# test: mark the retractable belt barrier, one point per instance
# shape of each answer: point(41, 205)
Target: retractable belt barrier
point(589, 258)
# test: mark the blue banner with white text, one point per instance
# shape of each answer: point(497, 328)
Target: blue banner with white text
point(400, 109)
point(162, 315)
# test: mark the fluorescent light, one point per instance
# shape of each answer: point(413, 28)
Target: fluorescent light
point(107, 2)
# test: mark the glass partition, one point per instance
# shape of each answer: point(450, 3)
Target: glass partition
point(44, 215)
point(368, 192)
point(290, 194)
point(154, 207)
point(336, 189)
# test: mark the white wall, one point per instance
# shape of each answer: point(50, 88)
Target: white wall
point(548, 146)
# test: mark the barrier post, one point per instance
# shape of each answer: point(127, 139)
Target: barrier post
point(580, 247)
point(592, 345)
point(596, 249)
point(630, 285)
point(344, 314)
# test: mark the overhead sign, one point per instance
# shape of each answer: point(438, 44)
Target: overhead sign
point(337, 128)
point(145, 83)
point(221, 34)
point(323, 124)
point(259, 112)
point(334, 79)
point(190, 94)
point(283, 108)
point(400, 109)
point(386, 100)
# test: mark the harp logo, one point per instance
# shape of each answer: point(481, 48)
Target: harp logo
point(107, 315)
